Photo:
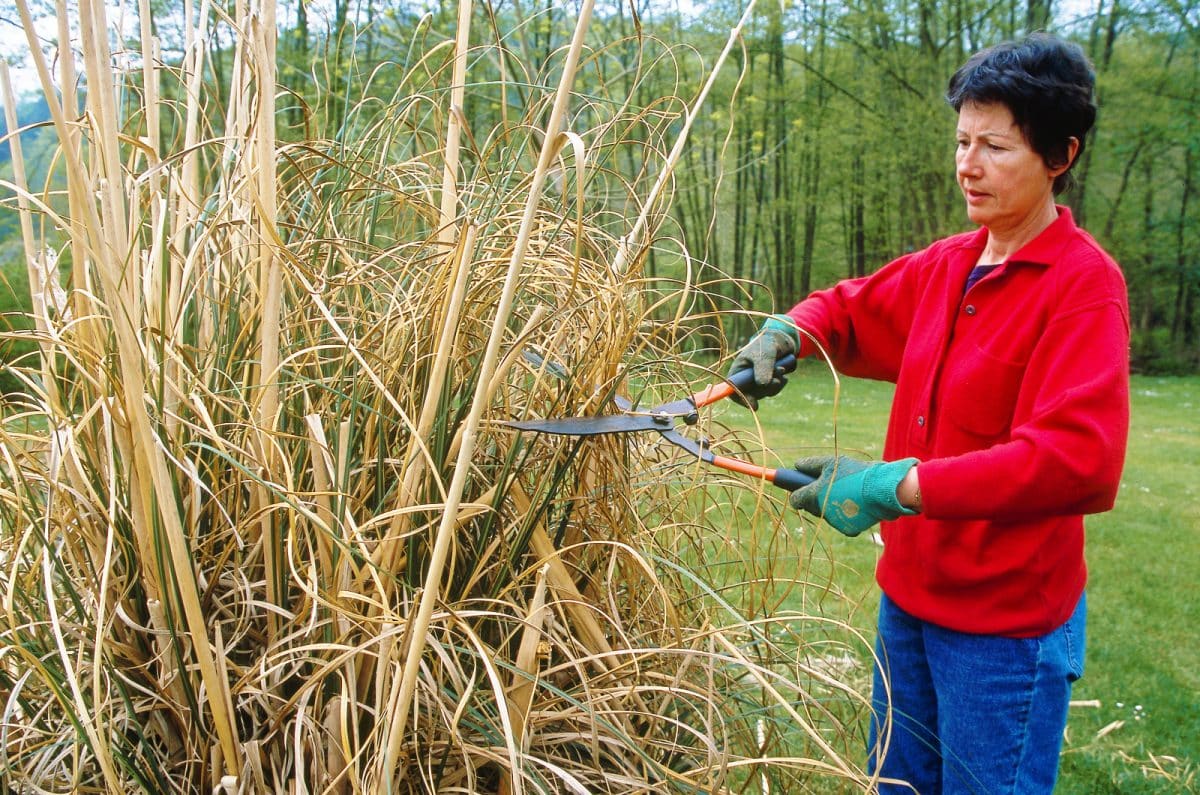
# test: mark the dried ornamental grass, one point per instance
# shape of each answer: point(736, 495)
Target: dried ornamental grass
point(263, 528)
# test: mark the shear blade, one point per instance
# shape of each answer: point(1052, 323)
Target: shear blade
point(594, 426)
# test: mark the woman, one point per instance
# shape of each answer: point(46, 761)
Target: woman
point(1008, 346)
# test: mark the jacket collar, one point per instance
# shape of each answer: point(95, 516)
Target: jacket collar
point(1047, 247)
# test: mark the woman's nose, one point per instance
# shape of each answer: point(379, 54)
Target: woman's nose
point(967, 160)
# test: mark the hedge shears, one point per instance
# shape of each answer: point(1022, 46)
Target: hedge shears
point(662, 419)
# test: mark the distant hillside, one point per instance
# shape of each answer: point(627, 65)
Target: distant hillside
point(38, 146)
point(30, 111)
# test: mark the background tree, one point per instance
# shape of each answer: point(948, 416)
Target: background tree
point(824, 149)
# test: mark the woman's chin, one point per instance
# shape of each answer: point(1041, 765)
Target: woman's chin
point(978, 215)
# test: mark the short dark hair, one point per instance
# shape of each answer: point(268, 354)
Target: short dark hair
point(1048, 84)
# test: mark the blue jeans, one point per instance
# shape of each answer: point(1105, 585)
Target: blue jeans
point(970, 713)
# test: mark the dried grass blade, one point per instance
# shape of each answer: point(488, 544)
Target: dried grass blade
point(458, 91)
point(520, 695)
point(417, 456)
point(756, 672)
point(321, 463)
point(560, 580)
point(84, 716)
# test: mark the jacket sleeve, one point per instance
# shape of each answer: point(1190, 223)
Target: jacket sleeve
point(1066, 448)
point(862, 323)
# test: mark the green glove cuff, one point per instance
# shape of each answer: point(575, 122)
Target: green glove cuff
point(785, 324)
point(879, 487)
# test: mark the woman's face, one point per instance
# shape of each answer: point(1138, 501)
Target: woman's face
point(1006, 183)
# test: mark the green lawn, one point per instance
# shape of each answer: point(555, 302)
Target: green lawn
point(1135, 725)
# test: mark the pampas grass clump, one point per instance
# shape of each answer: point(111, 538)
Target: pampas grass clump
point(263, 529)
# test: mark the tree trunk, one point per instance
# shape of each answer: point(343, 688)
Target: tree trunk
point(297, 77)
point(743, 156)
point(1183, 321)
point(781, 204)
point(1102, 61)
point(1037, 15)
point(857, 218)
point(812, 161)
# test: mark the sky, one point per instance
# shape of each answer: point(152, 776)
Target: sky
point(14, 47)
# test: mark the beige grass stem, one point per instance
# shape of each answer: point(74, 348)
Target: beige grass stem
point(429, 596)
point(262, 166)
point(458, 92)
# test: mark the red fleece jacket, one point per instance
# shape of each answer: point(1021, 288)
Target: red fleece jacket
point(1015, 399)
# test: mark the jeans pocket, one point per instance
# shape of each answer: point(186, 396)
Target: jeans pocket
point(1074, 634)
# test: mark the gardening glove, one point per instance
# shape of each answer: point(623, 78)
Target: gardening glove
point(851, 495)
point(777, 338)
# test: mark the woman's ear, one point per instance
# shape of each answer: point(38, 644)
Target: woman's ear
point(1072, 151)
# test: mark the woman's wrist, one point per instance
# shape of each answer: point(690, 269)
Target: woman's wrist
point(908, 492)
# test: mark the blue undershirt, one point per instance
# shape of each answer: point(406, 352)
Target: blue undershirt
point(977, 273)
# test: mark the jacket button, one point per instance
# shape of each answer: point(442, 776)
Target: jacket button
point(921, 420)
point(970, 310)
